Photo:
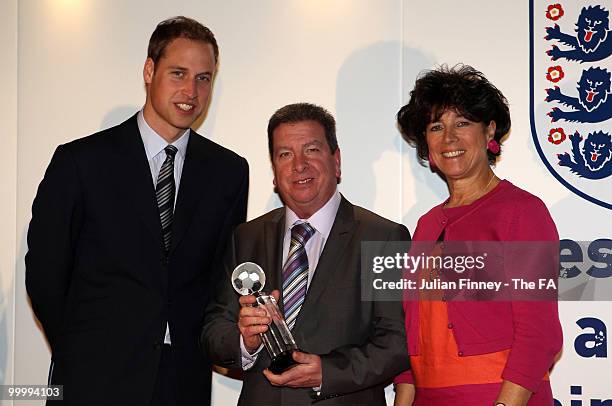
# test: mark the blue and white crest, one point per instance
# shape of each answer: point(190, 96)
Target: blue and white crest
point(571, 100)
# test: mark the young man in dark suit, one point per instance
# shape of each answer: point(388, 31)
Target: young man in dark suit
point(310, 251)
point(127, 228)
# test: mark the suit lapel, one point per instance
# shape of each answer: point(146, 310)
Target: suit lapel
point(191, 183)
point(273, 246)
point(138, 185)
point(336, 245)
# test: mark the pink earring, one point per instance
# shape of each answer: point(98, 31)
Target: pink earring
point(432, 164)
point(493, 146)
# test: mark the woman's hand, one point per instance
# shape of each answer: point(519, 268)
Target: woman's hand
point(404, 394)
point(512, 394)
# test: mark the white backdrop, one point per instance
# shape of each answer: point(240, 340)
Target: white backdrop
point(73, 67)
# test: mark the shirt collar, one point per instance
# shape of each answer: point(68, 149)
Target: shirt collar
point(322, 220)
point(154, 143)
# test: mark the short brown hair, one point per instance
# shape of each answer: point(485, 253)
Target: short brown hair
point(179, 27)
point(461, 88)
point(297, 112)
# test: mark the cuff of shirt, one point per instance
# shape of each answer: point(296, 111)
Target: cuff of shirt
point(404, 377)
point(247, 359)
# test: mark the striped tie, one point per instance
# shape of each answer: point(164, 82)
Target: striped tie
point(295, 272)
point(164, 191)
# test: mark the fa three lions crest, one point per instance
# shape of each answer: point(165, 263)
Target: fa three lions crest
point(571, 99)
point(592, 104)
point(591, 43)
point(594, 160)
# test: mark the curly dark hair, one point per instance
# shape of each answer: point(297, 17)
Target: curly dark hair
point(179, 27)
point(294, 113)
point(460, 88)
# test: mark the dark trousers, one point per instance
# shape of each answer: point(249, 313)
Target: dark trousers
point(166, 385)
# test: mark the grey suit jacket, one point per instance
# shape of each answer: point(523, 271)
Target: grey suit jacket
point(362, 344)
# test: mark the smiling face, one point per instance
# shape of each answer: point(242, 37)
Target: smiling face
point(305, 169)
point(458, 146)
point(178, 86)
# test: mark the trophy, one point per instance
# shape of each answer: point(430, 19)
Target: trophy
point(249, 279)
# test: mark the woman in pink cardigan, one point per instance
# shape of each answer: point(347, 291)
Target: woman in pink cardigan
point(475, 352)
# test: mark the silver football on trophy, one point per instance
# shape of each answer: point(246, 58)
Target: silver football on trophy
point(248, 278)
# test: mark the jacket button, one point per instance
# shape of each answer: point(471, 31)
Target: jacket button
point(460, 353)
point(450, 325)
point(443, 221)
point(157, 345)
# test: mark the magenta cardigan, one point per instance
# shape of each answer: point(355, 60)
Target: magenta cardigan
point(531, 330)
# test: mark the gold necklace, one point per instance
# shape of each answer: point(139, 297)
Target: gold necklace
point(484, 190)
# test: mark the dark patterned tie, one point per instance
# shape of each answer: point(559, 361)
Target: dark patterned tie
point(295, 272)
point(164, 191)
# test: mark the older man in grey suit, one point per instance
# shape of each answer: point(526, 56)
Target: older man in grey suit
point(351, 348)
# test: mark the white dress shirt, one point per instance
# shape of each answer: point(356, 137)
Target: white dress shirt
point(322, 221)
point(156, 155)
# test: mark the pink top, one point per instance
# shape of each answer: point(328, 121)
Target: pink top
point(531, 331)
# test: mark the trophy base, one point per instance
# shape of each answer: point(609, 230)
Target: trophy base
point(282, 362)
